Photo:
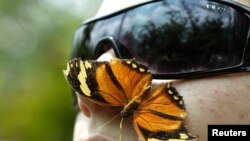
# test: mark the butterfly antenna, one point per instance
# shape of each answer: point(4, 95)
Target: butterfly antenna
point(121, 131)
point(100, 128)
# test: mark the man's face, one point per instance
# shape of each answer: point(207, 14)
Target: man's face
point(220, 99)
point(213, 100)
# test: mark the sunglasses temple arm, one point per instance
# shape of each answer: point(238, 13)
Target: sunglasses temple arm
point(202, 74)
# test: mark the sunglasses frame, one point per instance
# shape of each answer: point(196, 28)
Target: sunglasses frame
point(118, 48)
point(236, 5)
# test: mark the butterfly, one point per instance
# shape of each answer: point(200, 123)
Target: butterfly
point(158, 114)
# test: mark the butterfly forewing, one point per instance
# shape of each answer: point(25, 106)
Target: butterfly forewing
point(111, 83)
point(132, 76)
point(78, 74)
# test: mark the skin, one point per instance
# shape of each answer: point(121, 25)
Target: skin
point(222, 99)
point(216, 100)
point(213, 100)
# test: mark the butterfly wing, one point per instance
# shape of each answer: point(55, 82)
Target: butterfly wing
point(161, 116)
point(107, 83)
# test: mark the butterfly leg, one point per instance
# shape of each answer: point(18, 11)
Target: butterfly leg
point(134, 103)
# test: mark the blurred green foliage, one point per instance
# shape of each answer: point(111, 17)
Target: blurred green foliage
point(35, 41)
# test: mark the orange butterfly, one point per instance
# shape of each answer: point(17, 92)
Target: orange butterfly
point(158, 114)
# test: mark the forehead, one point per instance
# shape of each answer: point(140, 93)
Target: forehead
point(111, 6)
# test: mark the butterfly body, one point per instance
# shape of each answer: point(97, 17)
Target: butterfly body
point(158, 114)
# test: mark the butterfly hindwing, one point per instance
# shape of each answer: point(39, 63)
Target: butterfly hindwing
point(161, 116)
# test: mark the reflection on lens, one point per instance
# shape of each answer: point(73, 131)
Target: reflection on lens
point(184, 36)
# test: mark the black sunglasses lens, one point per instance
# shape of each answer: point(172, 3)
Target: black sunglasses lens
point(178, 36)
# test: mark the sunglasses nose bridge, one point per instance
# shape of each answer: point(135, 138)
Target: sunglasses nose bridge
point(105, 44)
point(109, 42)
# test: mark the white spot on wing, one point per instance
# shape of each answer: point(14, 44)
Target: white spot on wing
point(142, 70)
point(66, 72)
point(170, 92)
point(176, 97)
point(183, 136)
point(134, 66)
point(82, 76)
point(87, 65)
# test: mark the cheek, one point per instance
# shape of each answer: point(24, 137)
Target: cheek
point(223, 100)
point(217, 100)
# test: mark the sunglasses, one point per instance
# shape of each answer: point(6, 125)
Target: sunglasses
point(174, 38)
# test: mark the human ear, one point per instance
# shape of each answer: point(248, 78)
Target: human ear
point(84, 108)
